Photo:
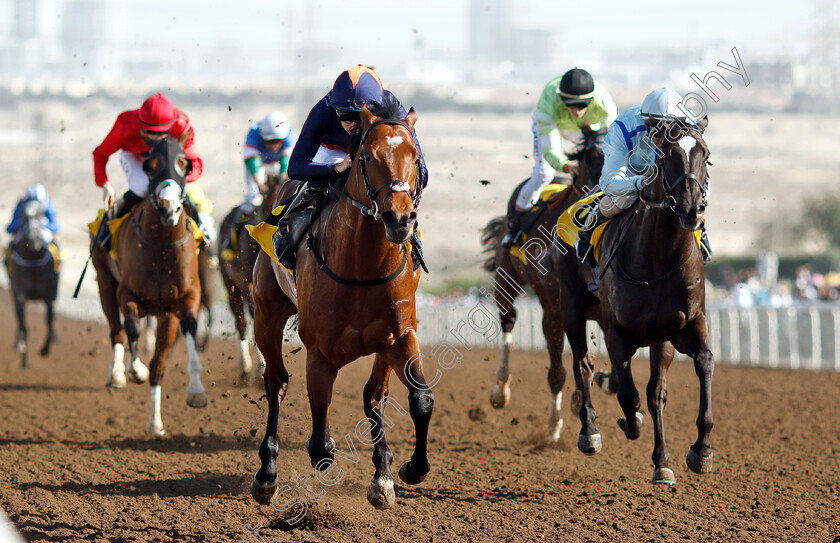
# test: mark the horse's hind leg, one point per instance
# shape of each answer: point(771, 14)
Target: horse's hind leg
point(237, 308)
point(381, 490)
point(137, 371)
point(167, 331)
point(553, 331)
point(20, 345)
point(51, 337)
point(589, 438)
point(500, 395)
point(661, 357)
point(196, 395)
point(405, 360)
point(272, 310)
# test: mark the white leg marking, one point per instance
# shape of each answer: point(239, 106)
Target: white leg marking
point(500, 395)
point(138, 372)
point(155, 420)
point(555, 419)
point(116, 378)
point(195, 390)
point(245, 356)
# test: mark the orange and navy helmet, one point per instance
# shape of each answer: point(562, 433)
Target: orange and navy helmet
point(158, 114)
point(354, 87)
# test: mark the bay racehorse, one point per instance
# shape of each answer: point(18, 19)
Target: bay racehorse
point(238, 270)
point(33, 274)
point(156, 273)
point(353, 289)
point(534, 267)
point(652, 292)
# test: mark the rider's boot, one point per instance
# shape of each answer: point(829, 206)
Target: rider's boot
point(119, 209)
point(583, 246)
point(292, 226)
point(705, 248)
point(192, 212)
point(513, 236)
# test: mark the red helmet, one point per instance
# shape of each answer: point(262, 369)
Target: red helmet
point(157, 114)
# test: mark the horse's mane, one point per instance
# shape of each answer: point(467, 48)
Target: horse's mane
point(388, 109)
point(581, 147)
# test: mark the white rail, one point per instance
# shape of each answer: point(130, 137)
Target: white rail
point(798, 337)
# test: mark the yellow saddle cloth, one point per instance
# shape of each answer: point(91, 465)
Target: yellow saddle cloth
point(550, 190)
point(114, 225)
point(574, 218)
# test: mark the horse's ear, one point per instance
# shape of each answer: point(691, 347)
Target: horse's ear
point(368, 118)
point(411, 118)
point(703, 123)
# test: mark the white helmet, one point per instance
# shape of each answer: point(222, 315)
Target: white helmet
point(37, 192)
point(275, 126)
point(663, 104)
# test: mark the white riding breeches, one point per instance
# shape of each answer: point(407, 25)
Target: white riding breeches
point(138, 180)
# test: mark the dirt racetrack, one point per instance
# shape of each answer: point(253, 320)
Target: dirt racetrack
point(77, 465)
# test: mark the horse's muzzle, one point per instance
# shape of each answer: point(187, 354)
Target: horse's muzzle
point(690, 218)
point(398, 228)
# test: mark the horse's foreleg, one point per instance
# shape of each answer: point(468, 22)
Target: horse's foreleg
point(107, 285)
point(137, 372)
point(553, 331)
point(694, 340)
point(657, 394)
point(237, 308)
point(196, 395)
point(167, 330)
point(381, 490)
point(51, 337)
point(405, 360)
point(628, 397)
point(500, 395)
point(20, 344)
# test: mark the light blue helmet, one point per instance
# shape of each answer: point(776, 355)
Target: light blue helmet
point(37, 192)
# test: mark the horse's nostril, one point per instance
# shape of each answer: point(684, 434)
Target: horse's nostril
point(389, 217)
point(412, 216)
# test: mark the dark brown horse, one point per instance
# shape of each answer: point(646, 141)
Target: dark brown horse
point(353, 290)
point(535, 268)
point(157, 275)
point(33, 275)
point(652, 294)
point(238, 272)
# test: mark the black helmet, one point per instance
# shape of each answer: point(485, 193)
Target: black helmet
point(577, 87)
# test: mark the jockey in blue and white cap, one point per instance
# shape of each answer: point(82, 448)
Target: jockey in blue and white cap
point(630, 152)
point(35, 193)
point(268, 147)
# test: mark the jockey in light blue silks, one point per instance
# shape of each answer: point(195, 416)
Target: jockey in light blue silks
point(630, 152)
point(35, 193)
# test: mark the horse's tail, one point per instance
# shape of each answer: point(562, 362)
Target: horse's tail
point(491, 238)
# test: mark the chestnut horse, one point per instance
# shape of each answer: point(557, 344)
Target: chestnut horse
point(652, 290)
point(353, 290)
point(511, 275)
point(238, 273)
point(33, 275)
point(157, 275)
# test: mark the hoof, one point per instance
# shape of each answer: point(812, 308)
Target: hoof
point(409, 477)
point(664, 476)
point(697, 463)
point(554, 436)
point(197, 400)
point(116, 381)
point(589, 445)
point(622, 423)
point(263, 493)
point(156, 430)
point(137, 372)
point(500, 395)
point(381, 493)
point(45, 350)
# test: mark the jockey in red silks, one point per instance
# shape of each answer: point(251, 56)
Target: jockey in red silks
point(133, 135)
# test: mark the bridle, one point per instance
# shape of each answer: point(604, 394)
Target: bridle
point(395, 185)
point(669, 202)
